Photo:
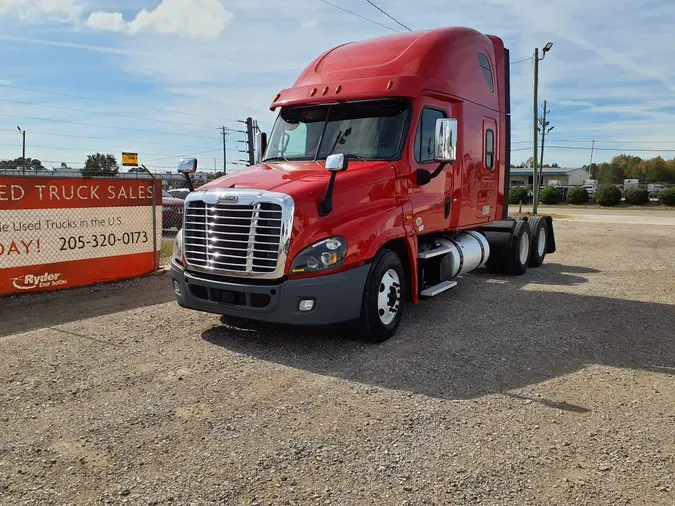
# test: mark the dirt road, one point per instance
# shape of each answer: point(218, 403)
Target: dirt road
point(554, 388)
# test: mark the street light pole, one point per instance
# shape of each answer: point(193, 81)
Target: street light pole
point(23, 165)
point(535, 179)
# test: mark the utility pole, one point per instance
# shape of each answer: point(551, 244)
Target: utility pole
point(225, 134)
point(591, 164)
point(544, 132)
point(535, 179)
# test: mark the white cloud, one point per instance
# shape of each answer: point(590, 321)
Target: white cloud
point(40, 10)
point(106, 21)
point(188, 18)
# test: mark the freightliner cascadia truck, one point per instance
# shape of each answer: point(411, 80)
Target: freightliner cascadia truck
point(384, 179)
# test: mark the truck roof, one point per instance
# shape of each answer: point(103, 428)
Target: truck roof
point(444, 60)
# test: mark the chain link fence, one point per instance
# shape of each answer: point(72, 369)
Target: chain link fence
point(61, 232)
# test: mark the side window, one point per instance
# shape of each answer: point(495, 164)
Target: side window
point(487, 72)
point(425, 140)
point(489, 150)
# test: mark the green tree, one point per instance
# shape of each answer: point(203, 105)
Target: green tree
point(36, 165)
point(100, 164)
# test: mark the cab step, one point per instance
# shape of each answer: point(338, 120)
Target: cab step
point(442, 250)
point(432, 291)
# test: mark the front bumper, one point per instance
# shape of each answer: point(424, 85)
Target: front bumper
point(337, 297)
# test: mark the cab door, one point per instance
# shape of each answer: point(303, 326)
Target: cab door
point(430, 203)
point(488, 178)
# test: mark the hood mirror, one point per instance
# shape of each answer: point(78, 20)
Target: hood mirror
point(260, 146)
point(334, 164)
point(188, 166)
point(337, 163)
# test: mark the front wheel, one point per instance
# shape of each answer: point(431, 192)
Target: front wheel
point(381, 307)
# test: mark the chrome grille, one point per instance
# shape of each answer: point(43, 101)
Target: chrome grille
point(246, 238)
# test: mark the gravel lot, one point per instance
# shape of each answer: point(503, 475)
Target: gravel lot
point(555, 388)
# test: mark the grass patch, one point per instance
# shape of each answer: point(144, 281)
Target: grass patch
point(552, 215)
point(166, 251)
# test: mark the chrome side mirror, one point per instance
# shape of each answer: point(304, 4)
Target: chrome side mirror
point(337, 163)
point(446, 140)
point(187, 166)
point(260, 146)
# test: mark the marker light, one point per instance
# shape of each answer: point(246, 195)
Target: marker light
point(390, 85)
point(313, 92)
point(338, 88)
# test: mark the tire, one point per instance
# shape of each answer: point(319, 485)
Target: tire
point(518, 257)
point(539, 234)
point(385, 288)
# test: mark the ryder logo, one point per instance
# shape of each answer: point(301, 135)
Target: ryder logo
point(33, 281)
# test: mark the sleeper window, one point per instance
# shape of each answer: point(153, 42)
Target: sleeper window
point(489, 150)
point(487, 71)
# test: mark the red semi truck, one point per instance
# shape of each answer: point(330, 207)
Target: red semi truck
point(385, 178)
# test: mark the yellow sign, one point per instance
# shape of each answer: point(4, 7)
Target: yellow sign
point(130, 159)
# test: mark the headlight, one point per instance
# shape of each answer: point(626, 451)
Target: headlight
point(327, 254)
point(178, 246)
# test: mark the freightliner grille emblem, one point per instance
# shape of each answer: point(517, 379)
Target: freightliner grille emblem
point(228, 199)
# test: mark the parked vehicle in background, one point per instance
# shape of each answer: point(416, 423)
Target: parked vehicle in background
point(654, 190)
point(591, 190)
point(563, 189)
point(172, 211)
point(179, 193)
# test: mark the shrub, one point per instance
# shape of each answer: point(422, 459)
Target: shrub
point(667, 196)
point(550, 196)
point(577, 195)
point(518, 194)
point(637, 196)
point(608, 195)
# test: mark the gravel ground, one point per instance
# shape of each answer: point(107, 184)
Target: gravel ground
point(555, 388)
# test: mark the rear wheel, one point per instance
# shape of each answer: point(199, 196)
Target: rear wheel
point(381, 307)
point(539, 231)
point(518, 257)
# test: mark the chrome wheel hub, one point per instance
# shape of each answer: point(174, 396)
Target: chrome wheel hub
point(389, 297)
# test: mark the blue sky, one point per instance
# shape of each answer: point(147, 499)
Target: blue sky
point(608, 78)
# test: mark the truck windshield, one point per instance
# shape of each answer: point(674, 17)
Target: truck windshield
point(371, 130)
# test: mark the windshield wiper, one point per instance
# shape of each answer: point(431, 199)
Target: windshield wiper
point(358, 157)
point(277, 159)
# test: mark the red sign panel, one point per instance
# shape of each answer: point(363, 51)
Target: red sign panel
point(64, 232)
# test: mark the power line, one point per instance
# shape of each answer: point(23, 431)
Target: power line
point(107, 139)
point(603, 142)
point(90, 150)
point(388, 15)
point(107, 126)
point(522, 149)
point(521, 61)
point(183, 155)
point(114, 102)
point(359, 16)
point(35, 104)
point(576, 148)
